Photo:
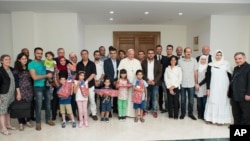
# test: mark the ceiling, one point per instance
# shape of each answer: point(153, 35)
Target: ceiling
point(96, 12)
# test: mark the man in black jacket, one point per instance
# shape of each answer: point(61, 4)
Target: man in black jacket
point(240, 90)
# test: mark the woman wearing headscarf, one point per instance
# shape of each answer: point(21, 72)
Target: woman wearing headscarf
point(218, 108)
point(201, 91)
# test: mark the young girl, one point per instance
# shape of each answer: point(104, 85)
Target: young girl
point(82, 101)
point(140, 85)
point(122, 85)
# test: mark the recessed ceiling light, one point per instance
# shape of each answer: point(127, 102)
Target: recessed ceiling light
point(111, 19)
point(146, 13)
point(111, 12)
point(180, 13)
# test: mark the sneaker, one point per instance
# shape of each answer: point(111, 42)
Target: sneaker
point(145, 113)
point(102, 119)
point(63, 124)
point(192, 117)
point(38, 126)
point(86, 123)
point(120, 118)
point(155, 115)
point(107, 120)
point(124, 118)
point(50, 122)
point(80, 124)
point(74, 124)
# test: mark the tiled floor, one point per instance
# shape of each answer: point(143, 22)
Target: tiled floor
point(161, 128)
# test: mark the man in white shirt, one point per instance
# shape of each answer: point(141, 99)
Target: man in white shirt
point(152, 74)
point(179, 52)
point(189, 68)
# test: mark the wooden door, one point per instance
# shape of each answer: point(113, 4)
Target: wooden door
point(136, 40)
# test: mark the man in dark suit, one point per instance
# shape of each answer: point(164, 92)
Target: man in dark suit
point(206, 52)
point(240, 90)
point(162, 90)
point(152, 74)
point(110, 70)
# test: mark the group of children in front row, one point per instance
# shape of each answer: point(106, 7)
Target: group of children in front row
point(122, 85)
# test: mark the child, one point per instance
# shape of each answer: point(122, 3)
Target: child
point(65, 103)
point(106, 102)
point(50, 65)
point(81, 100)
point(140, 85)
point(122, 85)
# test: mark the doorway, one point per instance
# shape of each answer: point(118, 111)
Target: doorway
point(139, 41)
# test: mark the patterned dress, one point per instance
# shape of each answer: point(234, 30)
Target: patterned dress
point(25, 85)
point(9, 97)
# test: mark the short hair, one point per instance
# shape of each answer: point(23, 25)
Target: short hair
point(60, 48)
point(37, 48)
point(63, 74)
point(239, 53)
point(187, 48)
point(138, 71)
point(170, 46)
point(51, 53)
point(111, 48)
point(101, 47)
point(176, 58)
point(150, 50)
point(122, 51)
point(85, 50)
point(158, 46)
point(141, 51)
point(3, 56)
point(96, 51)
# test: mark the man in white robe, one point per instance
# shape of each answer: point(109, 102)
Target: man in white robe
point(131, 64)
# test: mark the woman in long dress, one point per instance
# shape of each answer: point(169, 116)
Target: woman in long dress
point(218, 108)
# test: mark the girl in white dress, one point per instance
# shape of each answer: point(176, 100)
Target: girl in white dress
point(218, 108)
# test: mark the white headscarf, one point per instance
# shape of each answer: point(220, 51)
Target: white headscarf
point(223, 64)
point(202, 67)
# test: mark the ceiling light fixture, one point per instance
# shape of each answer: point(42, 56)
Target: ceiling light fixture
point(146, 13)
point(180, 13)
point(111, 12)
point(111, 19)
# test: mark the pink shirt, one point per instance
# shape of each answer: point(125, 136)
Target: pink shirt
point(123, 91)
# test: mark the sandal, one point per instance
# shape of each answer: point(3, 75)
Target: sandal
point(21, 128)
point(142, 120)
point(5, 132)
point(136, 119)
point(11, 128)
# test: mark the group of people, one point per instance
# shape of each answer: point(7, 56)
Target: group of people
point(140, 86)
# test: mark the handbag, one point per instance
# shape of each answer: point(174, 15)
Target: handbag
point(20, 109)
point(84, 89)
point(137, 96)
point(65, 90)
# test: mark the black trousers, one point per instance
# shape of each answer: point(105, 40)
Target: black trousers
point(54, 104)
point(73, 104)
point(173, 103)
point(160, 97)
point(241, 112)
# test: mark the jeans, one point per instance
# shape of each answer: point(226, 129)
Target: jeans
point(165, 95)
point(190, 92)
point(201, 103)
point(152, 97)
point(40, 94)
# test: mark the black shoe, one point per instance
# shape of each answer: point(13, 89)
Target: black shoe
point(33, 119)
point(182, 116)
point(53, 118)
point(163, 111)
point(192, 117)
point(110, 115)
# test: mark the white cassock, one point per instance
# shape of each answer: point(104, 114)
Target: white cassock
point(131, 67)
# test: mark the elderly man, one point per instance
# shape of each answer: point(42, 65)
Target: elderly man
point(205, 51)
point(240, 90)
point(131, 65)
